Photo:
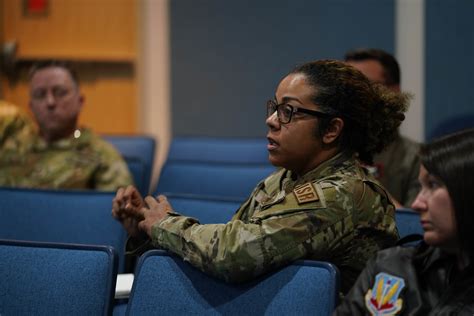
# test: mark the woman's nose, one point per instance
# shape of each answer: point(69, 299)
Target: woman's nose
point(272, 121)
point(419, 204)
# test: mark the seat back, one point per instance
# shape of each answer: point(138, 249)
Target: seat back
point(139, 154)
point(452, 124)
point(232, 181)
point(206, 210)
point(56, 279)
point(214, 167)
point(219, 150)
point(165, 284)
point(408, 222)
point(81, 217)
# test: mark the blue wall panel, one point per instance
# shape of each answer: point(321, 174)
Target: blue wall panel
point(227, 57)
point(449, 64)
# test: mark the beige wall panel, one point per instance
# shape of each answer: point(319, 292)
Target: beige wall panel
point(16, 91)
point(74, 29)
point(110, 92)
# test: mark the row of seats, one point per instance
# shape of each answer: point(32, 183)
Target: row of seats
point(226, 168)
point(202, 177)
point(85, 216)
point(67, 279)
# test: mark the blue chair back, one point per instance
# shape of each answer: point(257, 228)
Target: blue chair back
point(165, 284)
point(214, 167)
point(408, 222)
point(80, 217)
point(234, 182)
point(452, 124)
point(206, 210)
point(219, 150)
point(56, 279)
point(139, 154)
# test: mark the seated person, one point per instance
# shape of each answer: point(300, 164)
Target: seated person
point(56, 153)
point(436, 277)
point(319, 205)
point(397, 166)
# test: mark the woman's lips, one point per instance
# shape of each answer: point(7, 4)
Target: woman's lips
point(425, 224)
point(272, 144)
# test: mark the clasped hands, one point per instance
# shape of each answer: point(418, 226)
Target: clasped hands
point(136, 214)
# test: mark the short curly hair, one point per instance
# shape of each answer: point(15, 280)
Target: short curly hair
point(390, 65)
point(371, 113)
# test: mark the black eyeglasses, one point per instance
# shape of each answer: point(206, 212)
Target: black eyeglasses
point(285, 111)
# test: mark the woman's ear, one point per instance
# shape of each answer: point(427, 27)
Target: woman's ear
point(333, 131)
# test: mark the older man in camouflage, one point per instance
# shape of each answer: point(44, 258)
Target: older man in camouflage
point(55, 153)
point(320, 205)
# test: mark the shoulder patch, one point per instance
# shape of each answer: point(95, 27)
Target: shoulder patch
point(305, 193)
point(382, 298)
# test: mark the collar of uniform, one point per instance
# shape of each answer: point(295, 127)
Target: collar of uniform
point(78, 139)
point(325, 169)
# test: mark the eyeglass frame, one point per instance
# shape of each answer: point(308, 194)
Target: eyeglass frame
point(271, 104)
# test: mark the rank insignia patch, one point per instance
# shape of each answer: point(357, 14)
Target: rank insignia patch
point(383, 299)
point(305, 193)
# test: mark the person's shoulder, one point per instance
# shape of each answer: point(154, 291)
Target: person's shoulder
point(97, 142)
point(11, 112)
point(8, 109)
point(15, 125)
point(396, 254)
point(409, 143)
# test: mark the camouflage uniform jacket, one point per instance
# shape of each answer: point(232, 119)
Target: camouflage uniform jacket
point(335, 213)
point(83, 162)
point(398, 166)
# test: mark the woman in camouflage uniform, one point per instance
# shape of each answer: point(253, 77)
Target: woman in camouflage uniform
point(325, 118)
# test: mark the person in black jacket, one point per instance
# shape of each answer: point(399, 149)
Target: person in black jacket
point(437, 276)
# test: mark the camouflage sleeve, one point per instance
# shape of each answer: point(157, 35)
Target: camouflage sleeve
point(113, 171)
point(13, 121)
point(240, 251)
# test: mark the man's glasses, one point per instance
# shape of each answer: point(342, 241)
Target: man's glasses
point(285, 111)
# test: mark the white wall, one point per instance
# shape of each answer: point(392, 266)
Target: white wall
point(153, 73)
point(410, 39)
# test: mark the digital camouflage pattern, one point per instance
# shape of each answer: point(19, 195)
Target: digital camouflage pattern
point(83, 161)
point(398, 166)
point(343, 216)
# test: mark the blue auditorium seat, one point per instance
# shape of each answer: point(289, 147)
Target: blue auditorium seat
point(165, 284)
point(219, 150)
point(139, 154)
point(56, 279)
point(452, 124)
point(81, 217)
point(215, 167)
point(408, 222)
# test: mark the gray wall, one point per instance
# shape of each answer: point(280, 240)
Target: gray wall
point(227, 57)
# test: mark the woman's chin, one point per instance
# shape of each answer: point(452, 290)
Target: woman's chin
point(274, 161)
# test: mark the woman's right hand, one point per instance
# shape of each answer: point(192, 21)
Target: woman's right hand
point(126, 208)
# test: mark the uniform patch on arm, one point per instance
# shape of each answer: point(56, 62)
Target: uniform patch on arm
point(305, 193)
point(383, 297)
